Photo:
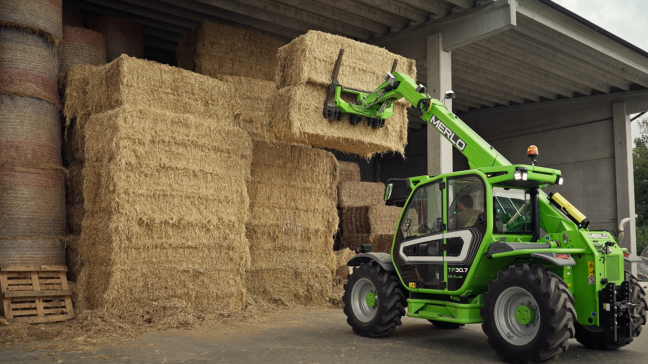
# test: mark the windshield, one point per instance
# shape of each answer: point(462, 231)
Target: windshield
point(512, 211)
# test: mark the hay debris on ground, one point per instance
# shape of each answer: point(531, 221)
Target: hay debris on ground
point(28, 66)
point(375, 219)
point(82, 46)
point(123, 36)
point(296, 114)
point(360, 194)
point(216, 49)
point(349, 172)
point(379, 242)
point(292, 221)
point(165, 211)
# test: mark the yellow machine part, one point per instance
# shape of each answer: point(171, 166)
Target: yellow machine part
point(568, 208)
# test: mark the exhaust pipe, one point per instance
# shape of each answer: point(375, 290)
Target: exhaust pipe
point(622, 225)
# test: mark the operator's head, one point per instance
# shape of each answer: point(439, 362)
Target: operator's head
point(465, 202)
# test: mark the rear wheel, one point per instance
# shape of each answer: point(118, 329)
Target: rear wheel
point(528, 314)
point(593, 336)
point(374, 300)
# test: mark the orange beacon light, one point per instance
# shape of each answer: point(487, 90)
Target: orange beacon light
point(532, 152)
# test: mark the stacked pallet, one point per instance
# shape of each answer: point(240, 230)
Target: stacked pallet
point(293, 187)
point(303, 76)
point(164, 189)
point(32, 194)
point(364, 217)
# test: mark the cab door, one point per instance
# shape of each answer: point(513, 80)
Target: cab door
point(418, 252)
point(466, 226)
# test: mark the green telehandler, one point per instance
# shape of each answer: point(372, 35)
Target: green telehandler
point(486, 245)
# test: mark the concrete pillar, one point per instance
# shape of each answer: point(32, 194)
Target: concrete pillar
point(439, 80)
point(624, 176)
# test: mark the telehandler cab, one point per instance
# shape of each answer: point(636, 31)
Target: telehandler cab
point(487, 246)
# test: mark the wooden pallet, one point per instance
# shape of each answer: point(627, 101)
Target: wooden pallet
point(35, 294)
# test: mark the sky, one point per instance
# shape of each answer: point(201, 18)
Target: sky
point(623, 18)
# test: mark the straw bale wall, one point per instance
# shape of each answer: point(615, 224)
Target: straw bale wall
point(166, 205)
point(379, 242)
point(342, 257)
point(41, 16)
point(297, 117)
point(31, 251)
point(123, 36)
point(360, 193)
point(376, 219)
point(292, 221)
point(349, 172)
point(28, 66)
point(82, 46)
point(30, 132)
point(73, 261)
point(248, 100)
point(215, 50)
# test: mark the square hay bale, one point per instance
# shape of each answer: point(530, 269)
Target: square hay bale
point(360, 194)
point(248, 100)
point(134, 82)
point(293, 217)
point(296, 114)
point(379, 242)
point(311, 57)
point(216, 49)
point(349, 172)
point(75, 110)
point(342, 256)
point(375, 219)
point(166, 206)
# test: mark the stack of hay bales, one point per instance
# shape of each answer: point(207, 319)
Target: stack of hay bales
point(164, 189)
point(123, 36)
point(246, 61)
point(303, 77)
point(82, 46)
point(293, 187)
point(364, 217)
point(32, 194)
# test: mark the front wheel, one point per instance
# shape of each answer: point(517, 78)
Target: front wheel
point(374, 300)
point(528, 314)
point(593, 336)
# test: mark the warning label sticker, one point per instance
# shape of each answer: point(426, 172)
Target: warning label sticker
point(591, 280)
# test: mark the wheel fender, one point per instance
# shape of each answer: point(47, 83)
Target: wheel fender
point(383, 259)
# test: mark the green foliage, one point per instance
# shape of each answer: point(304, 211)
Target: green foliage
point(640, 159)
point(642, 238)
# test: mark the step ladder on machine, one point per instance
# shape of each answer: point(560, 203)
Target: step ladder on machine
point(35, 294)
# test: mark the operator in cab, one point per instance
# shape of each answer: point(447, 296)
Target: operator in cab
point(465, 215)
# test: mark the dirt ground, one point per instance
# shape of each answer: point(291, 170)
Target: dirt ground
point(317, 335)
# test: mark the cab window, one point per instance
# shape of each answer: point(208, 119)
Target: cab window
point(424, 214)
point(466, 198)
point(512, 211)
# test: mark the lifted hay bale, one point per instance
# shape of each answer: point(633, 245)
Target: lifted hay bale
point(41, 16)
point(376, 219)
point(215, 50)
point(32, 202)
point(379, 242)
point(311, 57)
point(166, 206)
point(360, 193)
point(296, 114)
point(82, 46)
point(123, 36)
point(349, 172)
point(28, 66)
point(30, 132)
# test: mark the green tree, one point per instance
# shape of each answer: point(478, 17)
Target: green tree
point(640, 159)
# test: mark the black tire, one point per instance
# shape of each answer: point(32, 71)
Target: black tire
point(555, 314)
point(594, 338)
point(446, 325)
point(390, 303)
